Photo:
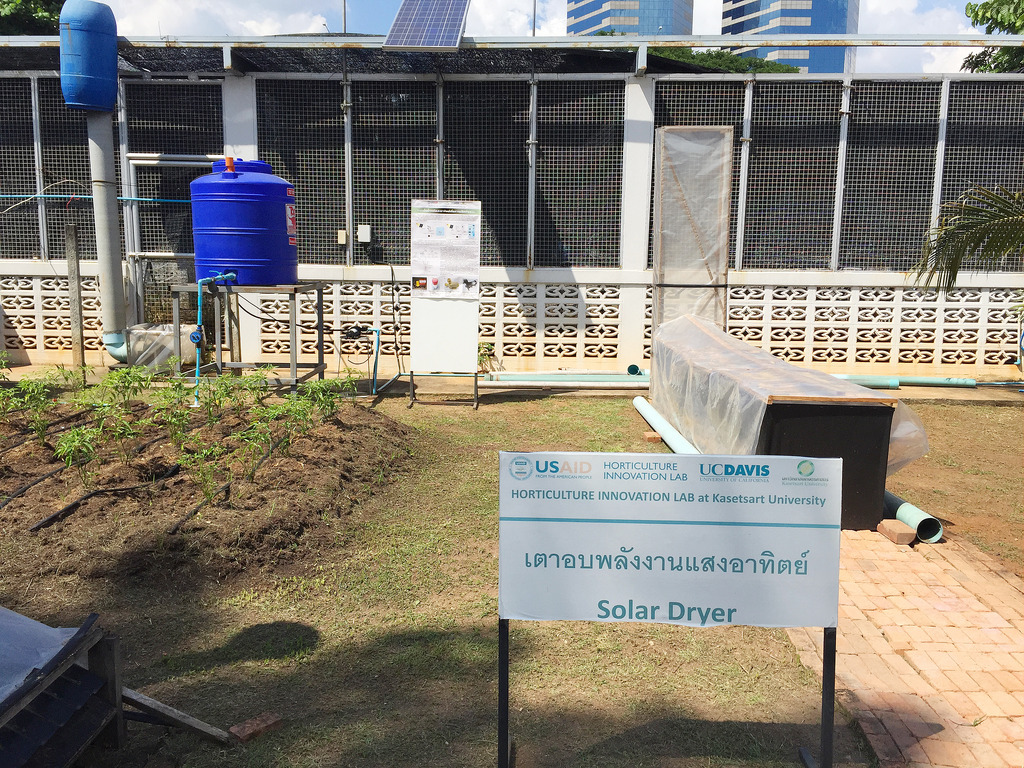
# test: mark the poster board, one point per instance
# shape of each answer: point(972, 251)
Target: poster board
point(669, 538)
point(445, 285)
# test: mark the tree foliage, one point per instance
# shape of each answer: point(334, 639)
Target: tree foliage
point(996, 16)
point(29, 17)
point(713, 59)
point(719, 59)
point(984, 223)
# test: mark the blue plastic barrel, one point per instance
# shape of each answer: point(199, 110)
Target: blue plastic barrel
point(88, 55)
point(243, 221)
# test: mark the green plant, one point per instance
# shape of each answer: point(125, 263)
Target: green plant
point(35, 397)
point(123, 431)
point(214, 394)
point(485, 356)
point(200, 462)
point(78, 447)
point(323, 395)
point(126, 383)
point(171, 411)
point(5, 364)
point(350, 383)
point(983, 224)
point(250, 389)
point(295, 415)
point(256, 441)
point(73, 379)
point(9, 401)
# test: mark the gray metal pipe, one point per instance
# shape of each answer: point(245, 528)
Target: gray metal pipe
point(108, 240)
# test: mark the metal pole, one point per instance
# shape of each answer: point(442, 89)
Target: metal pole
point(828, 704)
point(534, 18)
point(828, 695)
point(75, 297)
point(503, 742)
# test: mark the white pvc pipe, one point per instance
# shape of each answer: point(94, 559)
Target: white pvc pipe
point(669, 434)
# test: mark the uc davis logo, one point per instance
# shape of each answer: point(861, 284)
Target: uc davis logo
point(805, 468)
point(519, 467)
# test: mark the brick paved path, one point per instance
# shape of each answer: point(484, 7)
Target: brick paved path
point(930, 652)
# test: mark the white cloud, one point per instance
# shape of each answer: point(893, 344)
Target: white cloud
point(201, 17)
point(707, 17)
point(888, 16)
point(514, 18)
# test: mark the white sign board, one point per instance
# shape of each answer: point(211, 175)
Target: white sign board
point(445, 248)
point(695, 540)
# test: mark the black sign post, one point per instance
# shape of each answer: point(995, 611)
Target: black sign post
point(507, 749)
point(828, 703)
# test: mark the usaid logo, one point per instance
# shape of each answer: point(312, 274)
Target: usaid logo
point(519, 467)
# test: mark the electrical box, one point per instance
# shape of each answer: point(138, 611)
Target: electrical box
point(363, 233)
point(342, 237)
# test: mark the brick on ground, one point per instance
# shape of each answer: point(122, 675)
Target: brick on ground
point(257, 726)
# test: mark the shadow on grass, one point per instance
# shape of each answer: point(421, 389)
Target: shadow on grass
point(273, 641)
point(428, 696)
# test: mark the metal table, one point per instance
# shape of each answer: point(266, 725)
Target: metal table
point(223, 293)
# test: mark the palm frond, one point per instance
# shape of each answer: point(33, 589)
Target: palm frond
point(983, 224)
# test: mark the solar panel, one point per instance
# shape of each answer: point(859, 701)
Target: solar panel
point(428, 25)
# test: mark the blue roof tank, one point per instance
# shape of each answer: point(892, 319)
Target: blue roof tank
point(88, 55)
point(243, 221)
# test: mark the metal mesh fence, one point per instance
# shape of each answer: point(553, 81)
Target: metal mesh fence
point(19, 220)
point(487, 127)
point(792, 185)
point(890, 169)
point(579, 173)
point(984, 142)
point(704, 103)
point(175, 118)
point(394, 161)
point(301, 130)
point(165, 225)
point(65, 151)
point(887, 197)
point(158, 275)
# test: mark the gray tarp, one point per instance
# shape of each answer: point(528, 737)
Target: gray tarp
point(25, 644)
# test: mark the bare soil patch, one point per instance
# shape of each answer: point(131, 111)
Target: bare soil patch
point(144, 517)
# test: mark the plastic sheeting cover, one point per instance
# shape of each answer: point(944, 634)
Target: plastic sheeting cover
point(26, 645)
point(152, 345)
point(715, 389)
point(693, 182)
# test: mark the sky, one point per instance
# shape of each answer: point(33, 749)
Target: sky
point(176, 18)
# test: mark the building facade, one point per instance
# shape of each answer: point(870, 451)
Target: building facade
point(835, 180)
point(795, 17)
point(630, 17)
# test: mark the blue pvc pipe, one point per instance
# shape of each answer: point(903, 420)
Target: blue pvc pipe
point(229, 276)
point(669, 434)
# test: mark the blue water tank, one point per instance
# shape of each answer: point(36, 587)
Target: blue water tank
point(243, 221)
point(88, 55)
